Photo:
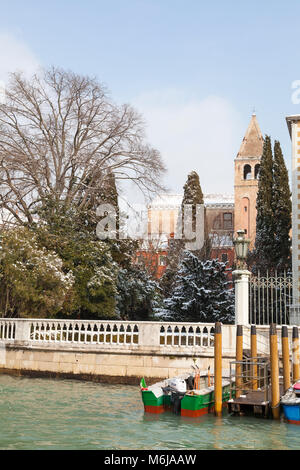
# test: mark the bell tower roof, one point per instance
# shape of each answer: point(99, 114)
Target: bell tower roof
point(252, 144)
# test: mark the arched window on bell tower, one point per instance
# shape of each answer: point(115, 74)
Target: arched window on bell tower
point(247, 172)
point(256, 171)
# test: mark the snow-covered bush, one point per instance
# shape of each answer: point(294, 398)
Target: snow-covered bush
point(200, 293)
point(33, 283)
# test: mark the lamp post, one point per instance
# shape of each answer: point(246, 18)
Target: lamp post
point(241, 247)
point(241, 277)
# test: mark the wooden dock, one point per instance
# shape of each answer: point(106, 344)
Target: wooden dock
point(254, 402)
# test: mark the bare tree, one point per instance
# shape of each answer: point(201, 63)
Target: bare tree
point(60, 135)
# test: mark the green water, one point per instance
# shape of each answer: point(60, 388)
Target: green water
point(67, 414)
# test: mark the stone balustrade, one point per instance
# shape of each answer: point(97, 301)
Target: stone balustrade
point(124, 334)
point(107, 333)
point(120, 351)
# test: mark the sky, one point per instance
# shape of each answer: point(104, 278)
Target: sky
point(196, 70)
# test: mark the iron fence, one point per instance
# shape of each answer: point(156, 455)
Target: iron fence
point(270, 298)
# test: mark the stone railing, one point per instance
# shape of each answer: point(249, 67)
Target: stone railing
point(107, 334)
point(127, 335)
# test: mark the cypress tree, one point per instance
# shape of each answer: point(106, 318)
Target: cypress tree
point(193, 195)
point(282, 209)
point(264, 242)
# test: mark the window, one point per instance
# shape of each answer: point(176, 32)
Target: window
point(247, 172)
point(227, 220)
point(245, 208)
point(217, 223)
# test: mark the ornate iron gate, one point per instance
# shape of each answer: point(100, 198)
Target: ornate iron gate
point(270, 298)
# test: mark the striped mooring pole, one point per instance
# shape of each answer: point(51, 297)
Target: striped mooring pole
point(275, 394)
point(238, 357)
point(285, 358)
point(296, 356)
point(218, 369)
point(254, 357)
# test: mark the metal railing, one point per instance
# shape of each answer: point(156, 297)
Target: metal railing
point(270, 298)
point(250, 374)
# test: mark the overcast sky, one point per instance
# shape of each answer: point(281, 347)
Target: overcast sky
point(195, 69)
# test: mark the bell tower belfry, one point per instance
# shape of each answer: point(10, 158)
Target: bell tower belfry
point(246, 173)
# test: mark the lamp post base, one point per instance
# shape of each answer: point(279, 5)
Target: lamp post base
point(241, 279)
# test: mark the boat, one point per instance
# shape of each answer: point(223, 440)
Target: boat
point(190, 395)
point(290, 402)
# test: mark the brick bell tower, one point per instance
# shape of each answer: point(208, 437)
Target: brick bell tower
point(246, 173)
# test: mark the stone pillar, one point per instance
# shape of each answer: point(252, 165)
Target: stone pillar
point(149, 334)
point(22, 330)
point(241, 283)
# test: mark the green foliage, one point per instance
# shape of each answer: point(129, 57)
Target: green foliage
point(138, 294)
point(66, 231)
point(33, 282)
point(173, 257)
point(273, 221)
point(264, 242)
point(193, 195)
point(282, 211)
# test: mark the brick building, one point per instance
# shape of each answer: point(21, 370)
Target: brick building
point(246, 173)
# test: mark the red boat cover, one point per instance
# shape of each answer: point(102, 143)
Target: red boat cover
point(297, 386)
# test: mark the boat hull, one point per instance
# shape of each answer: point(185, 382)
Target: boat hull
point(292, 413)
point(192, 405)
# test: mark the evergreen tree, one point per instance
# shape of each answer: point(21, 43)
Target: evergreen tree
point(193, 196)
point(282, 210)
point(174, 254)
point(200, 292)
point(263, 254)
point(138, 295)
point(273, 222)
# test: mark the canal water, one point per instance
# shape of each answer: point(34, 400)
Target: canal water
point(69, 414)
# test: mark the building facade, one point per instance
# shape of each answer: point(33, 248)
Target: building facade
point(163, 215)
point(293, 123)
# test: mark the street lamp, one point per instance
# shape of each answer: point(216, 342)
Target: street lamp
point(241, 247)
point(241, 278)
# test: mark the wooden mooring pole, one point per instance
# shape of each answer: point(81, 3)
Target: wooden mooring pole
point(296, 356)
point(254, 357)
point(218, 369)
point(275, 393)
point(238, 357)
point(285, 358)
